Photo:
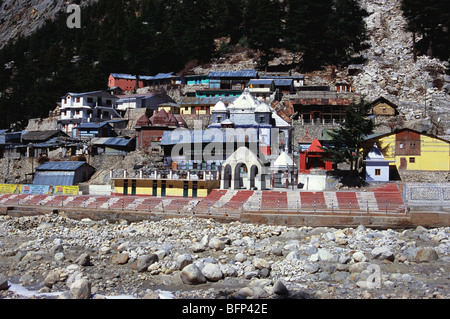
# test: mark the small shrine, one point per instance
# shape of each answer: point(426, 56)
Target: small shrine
point(377, 167)
point(314, 158)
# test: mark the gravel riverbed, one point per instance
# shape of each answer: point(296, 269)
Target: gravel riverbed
point(51, 257)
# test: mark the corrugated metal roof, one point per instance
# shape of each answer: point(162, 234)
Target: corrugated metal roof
point(41, 135)
point(283, 82)
point(231, 74)
point(112, 141)
point(124, 76)
point(260, 81)
point(60, 166)
point(161, 76)
point(54, 178)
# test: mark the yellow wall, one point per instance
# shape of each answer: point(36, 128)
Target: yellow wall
point(144, 187)
point(435, 154)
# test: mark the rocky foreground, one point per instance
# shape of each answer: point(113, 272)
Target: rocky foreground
point(55, 257)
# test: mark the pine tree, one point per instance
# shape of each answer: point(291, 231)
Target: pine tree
point(431, 20)
point(262, 22)
point(347, 139)
point(346, 32)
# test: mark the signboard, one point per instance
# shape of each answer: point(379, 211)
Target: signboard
point(39, 189)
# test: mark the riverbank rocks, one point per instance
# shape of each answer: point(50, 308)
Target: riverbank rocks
point(252, 261)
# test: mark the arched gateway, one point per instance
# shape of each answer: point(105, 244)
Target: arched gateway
point(243, 170)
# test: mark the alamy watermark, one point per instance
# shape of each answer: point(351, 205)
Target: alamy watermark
point(374, 279)
point(74, 19)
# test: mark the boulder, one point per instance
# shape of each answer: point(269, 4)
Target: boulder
point(120, 259)
point(192, 275)
point(280, 289)
point(426, 254)
point(52, 278)
point(81, 289)
point(145, 261)
point(83, 260)
point(382, 253)
point(212, 272)
point(3, 283)
point(184, 260)
point(260, 263)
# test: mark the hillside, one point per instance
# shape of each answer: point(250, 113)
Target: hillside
point(420, 89)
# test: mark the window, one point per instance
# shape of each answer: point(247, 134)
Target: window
point(90, 100)
point(412, 159)
point(377, 172)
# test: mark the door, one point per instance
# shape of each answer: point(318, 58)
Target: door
point(186, 189)
point(316, 116)
point(155, 189)
point(163, 188)
point(125, 187)
point(403, 163)
point(133, 187)
point(194, 189)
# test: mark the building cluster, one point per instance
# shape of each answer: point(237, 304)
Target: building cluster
point(248, 142)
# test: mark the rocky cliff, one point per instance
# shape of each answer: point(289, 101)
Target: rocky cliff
point(22, 17)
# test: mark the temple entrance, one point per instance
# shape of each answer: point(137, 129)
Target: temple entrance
point(243, 170)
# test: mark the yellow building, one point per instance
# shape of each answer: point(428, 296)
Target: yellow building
point(169, 108)
point(412, 150)
point(165, 187)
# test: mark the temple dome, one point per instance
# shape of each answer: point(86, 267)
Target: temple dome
point(220, 107)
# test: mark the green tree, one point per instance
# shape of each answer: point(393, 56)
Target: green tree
point(346, 33)
point(306, 26)
point(346, 141)
point(431, 20)
point(263, 28)
point(324, 31)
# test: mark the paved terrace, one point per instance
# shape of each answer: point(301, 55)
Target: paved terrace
point(277, 206)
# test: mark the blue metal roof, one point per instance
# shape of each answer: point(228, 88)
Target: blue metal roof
point(142, 77)
point(234, 74)
point(283, 82)
point(260, 81)
point(93, 125)
point(124, 76)
point(60, 166)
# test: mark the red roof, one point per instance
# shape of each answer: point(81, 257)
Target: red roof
point(316, 147)
point(306, 139)
point(143, 121)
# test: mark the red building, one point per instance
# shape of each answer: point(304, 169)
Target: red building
point(314, 158)
point(149, 131)
point(126, 82)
